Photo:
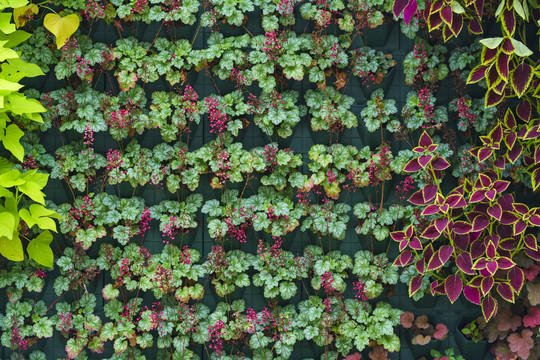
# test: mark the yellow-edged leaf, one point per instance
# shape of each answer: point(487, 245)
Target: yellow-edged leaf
point(61, 27)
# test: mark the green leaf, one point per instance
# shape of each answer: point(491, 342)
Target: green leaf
point(12, 141)
point(7, 224)
point(520, 48)
point(61, 27)
point(491, 43)
point(39, 249)
point(6, 25)
point(11, 249)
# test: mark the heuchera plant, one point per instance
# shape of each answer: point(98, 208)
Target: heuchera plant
point(474, 231)
point(422, 329)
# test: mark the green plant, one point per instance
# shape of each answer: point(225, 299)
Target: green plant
point(279, 168)
point(277, 111)
point(177, 217)
point(329, 110)
point(329, 219)
point(375, 271)
point(24, 323)
point(448, 354)
point(278, 270)
point(378, 222)
point(474, 329)
point(371, 65)
point(332, 265)
point(425, 64)
point(379, 111)
point(420, 111)
point(21, 277)
point(79, 325)
point(228, 270)
point(78, 165)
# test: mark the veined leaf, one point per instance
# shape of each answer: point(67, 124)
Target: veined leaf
point(61, 27)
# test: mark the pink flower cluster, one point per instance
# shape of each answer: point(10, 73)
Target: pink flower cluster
point(29, 163)
point(360, 289)
point(139, 7)
point(17, 341)
point(404, 187)
point(216, 331)
point(464, 113)
point(84, 213)
point(377, 171)
point(66, 323)
point(144, 222)
point(425, 104)
point(272, 45)
point(218, 118)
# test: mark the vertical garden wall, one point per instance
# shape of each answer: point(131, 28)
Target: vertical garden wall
point(270, 180)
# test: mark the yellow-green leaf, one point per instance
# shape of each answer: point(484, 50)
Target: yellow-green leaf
point(6, 53)
point(19, 104)
point(11, 249)
point(7, 224)
point(7, 87)
point(12, 3)
point(33, 190)
point(16, 69)
point(23, 13)
point(11, 178)
point(6, 25)
point(61, 27)
point(12, 141)
point(39, 249)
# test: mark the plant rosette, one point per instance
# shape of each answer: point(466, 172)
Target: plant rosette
point(74, 109)
point(348, 323)
point(278, 271)
point(279, 168)
point(35, 154)
point(470, 339)
point(273, 331)
point(230, 218)
point(175, 325)
point(78, 221)
point(125, 218)
point(129, 267)
point(176, 272)
point(225, 161)
point(329, 270)
point(226, 114)
point(19, 278)
point(227, 326)
point(425, 64)
point(134, 165)
point(374, 272)
point(79, 325)
point(173, 113)
point(472, 114)
point(379, 111)
point(233, 14)
point(371, 65)
point(379, 222)
point(24, 324)
point(78, 164)
point(77, 271)
point(126, 114)
point(176, 219)
point(448, 354)
point(276, 112)
point(370, 13)
point(273, 211)
point(420, 112)
point(228, 270)
point(328, 221)
point(476, 227)
point(329, 110)
point(421, 332)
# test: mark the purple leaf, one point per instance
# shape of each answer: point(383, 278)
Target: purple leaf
point(524, 110)
point(530, 242)
point(519, 227)
point(472, 294)
point(464, 263)
point(477, 74)
point(521, 78)
point(486, 285)
point(462, 227)
point(445, 252)
point(412, 166)
point(399, 6)
point(491, 267)
point(495, 211)
point(479, 7)
point(439, 163)
point(475, 27)
point(478, 248)
point(409, 11)
point(424, 160)
point(441, 224)
point(431, 232)
point(453, 287)
point(415, 243)
point(505, 263)
point(492, 99)
point(508, 46)
point(425, 140)
point(516, 278)
point(434, 263)
point(506, 292)
point(461, 241)
point(457, 23)
point(514, 153)
point(416, 283)
point(489, 307)
point(404, 259)
point(508, 218)
point(509, 21)
point(420, 266)
point(398, 236)
point(430, 210)
point(446, 14)
point(480, 223)
point(533, 254)
point(434, 20)
point(490, 250)
point(503, 60)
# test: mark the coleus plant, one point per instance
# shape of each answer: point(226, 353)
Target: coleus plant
point(473, 233)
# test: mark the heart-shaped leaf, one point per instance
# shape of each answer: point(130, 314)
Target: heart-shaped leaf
point(61, 27)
